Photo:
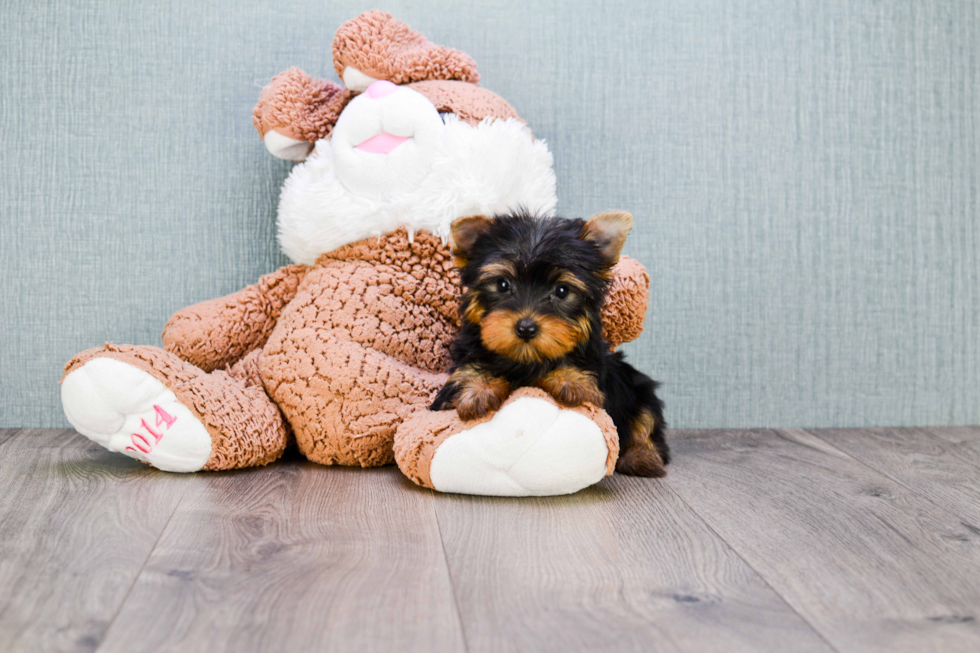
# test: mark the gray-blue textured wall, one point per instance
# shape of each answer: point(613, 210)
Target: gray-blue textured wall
point(804, 176)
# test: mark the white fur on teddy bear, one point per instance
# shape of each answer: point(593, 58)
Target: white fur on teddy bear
point(445, 169)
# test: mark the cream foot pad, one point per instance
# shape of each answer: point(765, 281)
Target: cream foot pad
point(127, 410)
point(530, 447)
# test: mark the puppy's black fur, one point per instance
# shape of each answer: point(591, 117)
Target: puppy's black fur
point(531, 316)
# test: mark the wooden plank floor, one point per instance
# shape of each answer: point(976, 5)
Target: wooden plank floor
point(788, 540)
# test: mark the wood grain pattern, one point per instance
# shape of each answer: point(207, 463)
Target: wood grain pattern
point(945, 471)
point(76, 525)
point(756, 541)
point(619, 567)
point(965, 435)
point(295, 557)
point(870, 564)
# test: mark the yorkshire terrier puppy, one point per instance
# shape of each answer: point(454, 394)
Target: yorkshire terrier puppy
point(531, 316)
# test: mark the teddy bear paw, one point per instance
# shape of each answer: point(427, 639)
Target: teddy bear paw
point(129, 411)
point(530, 447)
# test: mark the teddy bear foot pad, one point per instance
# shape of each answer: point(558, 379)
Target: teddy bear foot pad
point(529, 448)
point(127, 410)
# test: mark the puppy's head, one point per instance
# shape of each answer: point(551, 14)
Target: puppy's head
point(535, 286)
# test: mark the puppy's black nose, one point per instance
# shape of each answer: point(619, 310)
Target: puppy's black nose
point(526, 328)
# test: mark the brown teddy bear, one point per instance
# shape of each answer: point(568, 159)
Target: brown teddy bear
point(343, 351)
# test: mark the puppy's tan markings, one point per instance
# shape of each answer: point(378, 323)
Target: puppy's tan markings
point(571, 387)
point(474, 310)
point(567, 277)
point(584, 327)
point(641, 457)
point(556, 337)
point(497, 269)
point(479, 394)
point(497, 333)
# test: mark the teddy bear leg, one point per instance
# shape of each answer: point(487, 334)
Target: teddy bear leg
point(344, 407)
point(530, 447)
point(148, 404)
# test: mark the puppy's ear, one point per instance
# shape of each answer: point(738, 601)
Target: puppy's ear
point(608, 231)
point(465, 233)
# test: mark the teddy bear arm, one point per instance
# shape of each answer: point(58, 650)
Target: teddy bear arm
point(626, 303)
point(218, 332)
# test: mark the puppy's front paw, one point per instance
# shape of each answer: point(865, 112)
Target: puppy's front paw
point(477, 404)
point(446, 399)
point(572, 387)
point(478, 393)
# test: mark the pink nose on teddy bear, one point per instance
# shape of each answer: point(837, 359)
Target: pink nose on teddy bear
point(381, 88)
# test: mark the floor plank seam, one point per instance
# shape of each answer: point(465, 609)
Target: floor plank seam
point(937, 432)
point(136, 578)
point(891, 478)
point(955, 451)
point(752, 567)
point(887, 549)
point(449, 572)
point(9, 436)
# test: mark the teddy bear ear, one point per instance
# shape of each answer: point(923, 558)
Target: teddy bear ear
point(609, 231)
point(296, 110)
point(376, 46)
point(465, 232)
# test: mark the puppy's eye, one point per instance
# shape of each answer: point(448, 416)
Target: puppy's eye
point(561, 291)
point(503, 285)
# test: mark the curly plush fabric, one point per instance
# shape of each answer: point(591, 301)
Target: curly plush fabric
point(471, 103)
point(626, 303)
point(304, 108)
point(218, 332)
point(381, 46)
point(420, 437)
point(299, 106)
point(343, 352)
point(246, 428)
point(348, 350)
point(364, 345)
